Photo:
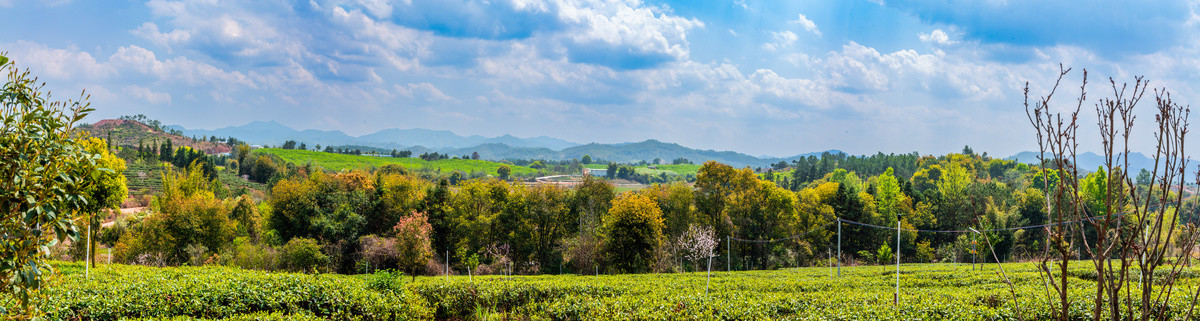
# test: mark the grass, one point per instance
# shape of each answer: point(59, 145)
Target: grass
point(337, 162)
point(927, 292)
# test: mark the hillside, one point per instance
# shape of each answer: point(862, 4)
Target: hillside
point(337, 162)
point(506, 147)
point(622, 153)
point(274, 133)
point(129, 133)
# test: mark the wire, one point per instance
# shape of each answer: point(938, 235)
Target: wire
point(1007, 228)
point(783, 239)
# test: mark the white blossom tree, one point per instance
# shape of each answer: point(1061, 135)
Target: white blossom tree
point(698, 243)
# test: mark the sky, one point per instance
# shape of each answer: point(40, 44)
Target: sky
point(760, 77)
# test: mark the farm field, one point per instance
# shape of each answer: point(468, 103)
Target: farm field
point(928, 291)
point(683, 169)
point(337, 162)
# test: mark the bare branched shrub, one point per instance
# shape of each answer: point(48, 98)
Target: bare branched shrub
point(1130, 233)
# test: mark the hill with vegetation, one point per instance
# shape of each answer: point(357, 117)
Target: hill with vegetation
point(134, 133)
point(338, 162)
point(273, 133)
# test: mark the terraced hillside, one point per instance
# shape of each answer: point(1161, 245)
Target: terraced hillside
point(130, 133)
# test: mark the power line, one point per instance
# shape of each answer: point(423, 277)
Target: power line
point(786, 238)
point(1007, 228)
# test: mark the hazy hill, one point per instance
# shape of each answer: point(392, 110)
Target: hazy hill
point(274, 133)
point(505, 147)
point(130, 133)
point(1090, 161)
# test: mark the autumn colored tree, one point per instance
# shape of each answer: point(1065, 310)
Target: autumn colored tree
point(634, 230)
point(413, 242)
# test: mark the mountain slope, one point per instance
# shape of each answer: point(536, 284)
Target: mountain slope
point(130, 133)
point(274, 133)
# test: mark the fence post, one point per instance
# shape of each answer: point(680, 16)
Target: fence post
point(727, 257)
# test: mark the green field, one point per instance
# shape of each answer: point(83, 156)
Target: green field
point(683, 169)
point(928, 291)
point(337, 162)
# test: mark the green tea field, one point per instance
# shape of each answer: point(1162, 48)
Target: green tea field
point(927, 291)
point(337, 162)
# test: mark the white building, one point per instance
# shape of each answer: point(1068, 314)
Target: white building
point(595, 172)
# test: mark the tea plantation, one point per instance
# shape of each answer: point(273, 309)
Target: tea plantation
point(928, 291)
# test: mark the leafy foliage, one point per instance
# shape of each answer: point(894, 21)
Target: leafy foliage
point(45, 180)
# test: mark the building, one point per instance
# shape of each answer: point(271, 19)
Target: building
point(595, 172)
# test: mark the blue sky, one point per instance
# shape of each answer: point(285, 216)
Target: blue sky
point(760, 77)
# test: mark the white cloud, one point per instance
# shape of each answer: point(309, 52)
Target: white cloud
point(781, 39)
point(938, 37)
point(146, 94)
point(179, 69)
point(149, 31)
point(808, 25)
point(68, 64)
point(625, 28)
point(423, 92)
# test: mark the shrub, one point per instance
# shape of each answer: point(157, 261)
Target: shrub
point(387, 281)
point(379, 253)
point(303, 254)
point(248, 255)
point(885, 254)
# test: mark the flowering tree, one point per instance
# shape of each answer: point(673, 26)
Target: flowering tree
point(413, 242)
point(698, 243)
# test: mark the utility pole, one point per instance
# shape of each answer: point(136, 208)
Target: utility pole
point(839, 257)
point(896, 299)
point(974, 252)
point(87, 262)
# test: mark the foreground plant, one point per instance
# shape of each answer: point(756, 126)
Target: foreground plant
point(44, 177)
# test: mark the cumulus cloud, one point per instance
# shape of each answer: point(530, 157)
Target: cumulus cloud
point(69, 63)
point(149, 31)
point(780, 39)
point(808, 25)
point(146, 94)
point(938, 37)
point(179, 69)
point(624, 35)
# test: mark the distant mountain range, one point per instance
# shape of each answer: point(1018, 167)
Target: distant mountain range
point(274, 133)
point(494, 148)
point(1090, 161)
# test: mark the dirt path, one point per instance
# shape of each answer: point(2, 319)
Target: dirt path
point(124, 211)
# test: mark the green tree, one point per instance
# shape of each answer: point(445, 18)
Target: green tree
point(107, 191)
point(888, 195)
point(587, 159)
point(44, 177)
point(634, 230)
point(503, 171)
